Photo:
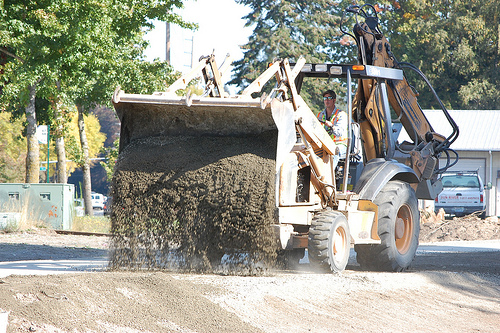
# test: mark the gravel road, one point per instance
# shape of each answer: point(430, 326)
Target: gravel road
point(448, 288)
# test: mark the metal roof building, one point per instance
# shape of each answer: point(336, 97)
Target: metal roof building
point(479, 129)
point(478, 146)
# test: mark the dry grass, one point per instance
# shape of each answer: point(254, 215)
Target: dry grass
point(99, 224)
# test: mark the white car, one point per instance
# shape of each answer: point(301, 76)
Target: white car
point(463, 194)
point(98, 201)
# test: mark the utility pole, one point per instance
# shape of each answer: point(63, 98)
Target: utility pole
point(189, 53)
point(192, 50)
point(48, 153)
point(167, 53)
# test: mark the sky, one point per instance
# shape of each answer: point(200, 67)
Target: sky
point(221, 28)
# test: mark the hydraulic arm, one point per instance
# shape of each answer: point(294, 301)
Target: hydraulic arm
point(375, 118)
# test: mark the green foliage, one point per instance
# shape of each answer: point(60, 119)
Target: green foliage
point(111, 154)
point(12, 150)
point(95, 137)
point(74, 149)
point(456, 44)
point(72, 145)
point(76, 52)
point(290, 29)
point(480, 94)
point(80, 50)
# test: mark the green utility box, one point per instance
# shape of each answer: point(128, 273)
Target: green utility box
point(50, 203)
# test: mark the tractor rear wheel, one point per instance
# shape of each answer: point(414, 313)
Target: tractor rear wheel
point(329, 241)
point(398, 229)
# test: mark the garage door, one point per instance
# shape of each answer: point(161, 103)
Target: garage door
point(469, 164)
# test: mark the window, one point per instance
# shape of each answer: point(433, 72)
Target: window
point(14, 195)
point(45, 196)
point(460, 181)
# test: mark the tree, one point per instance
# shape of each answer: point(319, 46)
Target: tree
point(107, 39)
point(24, 42)
point(59, 122)
point(111, 155)
point(79, 51)
point(456, 44)
point(72, 146)
point(25, 99)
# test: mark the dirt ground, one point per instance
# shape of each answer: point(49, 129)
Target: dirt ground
point(442, 292)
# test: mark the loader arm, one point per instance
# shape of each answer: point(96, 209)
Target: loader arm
point(374, 118)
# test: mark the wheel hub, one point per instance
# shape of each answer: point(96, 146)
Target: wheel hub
point(403, 229)
point(400, 228)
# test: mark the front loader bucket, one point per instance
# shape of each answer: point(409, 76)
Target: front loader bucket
point(196, 176)
point(143, 116)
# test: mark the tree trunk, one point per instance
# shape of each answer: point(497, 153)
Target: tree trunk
point(87, 187)
point(33, 156)
point(62, 176)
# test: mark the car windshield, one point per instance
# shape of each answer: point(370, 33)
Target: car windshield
point(460, 181)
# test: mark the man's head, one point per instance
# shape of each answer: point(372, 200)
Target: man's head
point(330, 93)
point(329, 97)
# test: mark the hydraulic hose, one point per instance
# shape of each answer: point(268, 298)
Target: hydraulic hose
point(454, 135)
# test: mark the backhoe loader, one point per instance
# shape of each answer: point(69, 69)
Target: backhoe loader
point(324, 202)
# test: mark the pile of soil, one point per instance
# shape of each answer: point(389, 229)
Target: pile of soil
point(467, 228)
point(188, 200)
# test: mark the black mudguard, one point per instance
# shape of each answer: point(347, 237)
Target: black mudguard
point(378, 172)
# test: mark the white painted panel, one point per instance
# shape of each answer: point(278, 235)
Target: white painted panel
point(497, 213)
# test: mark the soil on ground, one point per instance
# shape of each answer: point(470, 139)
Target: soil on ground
point(467, 228)
point(441, 292)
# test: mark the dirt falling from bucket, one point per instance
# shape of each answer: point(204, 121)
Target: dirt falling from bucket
point(184, 202)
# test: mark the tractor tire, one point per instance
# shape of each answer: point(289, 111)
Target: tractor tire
point(398, 229)
point(329, 241)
